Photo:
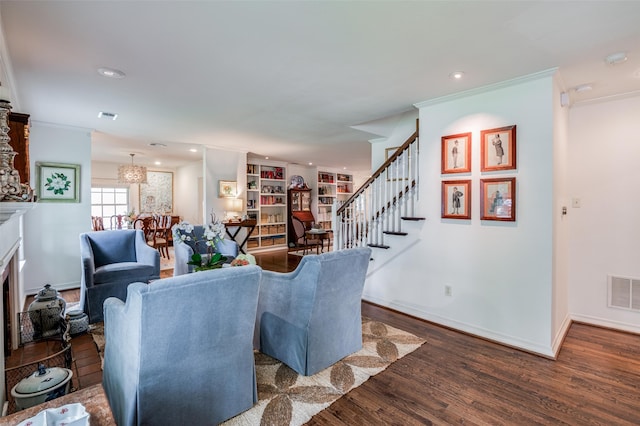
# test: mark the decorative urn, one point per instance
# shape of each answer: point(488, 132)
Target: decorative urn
point(46, 312)
point(43, 385)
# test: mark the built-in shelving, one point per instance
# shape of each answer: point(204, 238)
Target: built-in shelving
point(267, 204)
point(333, 189)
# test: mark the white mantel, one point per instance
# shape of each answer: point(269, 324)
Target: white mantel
point(11, 253)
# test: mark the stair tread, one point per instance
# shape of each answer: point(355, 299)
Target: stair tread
point(378, 246)
point(413, 218)
point(395, 233)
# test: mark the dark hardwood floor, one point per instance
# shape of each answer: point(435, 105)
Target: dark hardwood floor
point(455, 378)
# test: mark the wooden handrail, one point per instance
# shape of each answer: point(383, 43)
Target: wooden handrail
point(380, 170)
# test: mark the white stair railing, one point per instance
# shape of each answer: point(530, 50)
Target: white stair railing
point(382, 203)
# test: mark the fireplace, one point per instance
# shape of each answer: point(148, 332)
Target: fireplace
point(11, 259)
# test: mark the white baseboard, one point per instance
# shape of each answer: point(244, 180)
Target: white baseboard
point(512, 341)
point(602, 322)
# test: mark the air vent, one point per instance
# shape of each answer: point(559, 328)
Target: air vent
point(624, 293)
point(109, 115)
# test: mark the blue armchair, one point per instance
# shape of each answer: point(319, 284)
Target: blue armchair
point(111, 260)
point(183, 250)
point(310, 318)
point(181, 348)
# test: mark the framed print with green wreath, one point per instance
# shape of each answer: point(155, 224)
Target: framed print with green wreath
point(58, 182)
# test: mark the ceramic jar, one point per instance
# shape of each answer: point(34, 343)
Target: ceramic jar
point(46, 311)
point(43, 385)
point(78, 322)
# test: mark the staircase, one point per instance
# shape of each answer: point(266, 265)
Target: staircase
point(383, 202)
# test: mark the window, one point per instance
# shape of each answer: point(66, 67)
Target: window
point(107, 202)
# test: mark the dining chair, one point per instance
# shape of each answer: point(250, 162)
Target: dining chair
point(155, 235)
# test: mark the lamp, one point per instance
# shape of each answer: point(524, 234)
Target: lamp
point(233, 205)
point(132, 173)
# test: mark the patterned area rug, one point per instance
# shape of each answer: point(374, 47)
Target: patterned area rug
point(287, 398)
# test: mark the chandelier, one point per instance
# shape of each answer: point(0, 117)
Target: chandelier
point(132, 173)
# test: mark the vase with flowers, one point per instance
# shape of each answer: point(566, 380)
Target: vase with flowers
point(212, 233)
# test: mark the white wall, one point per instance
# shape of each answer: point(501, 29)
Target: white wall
point(187, 184)
point(52, 247)
point(604, 153)
point(222, 165)
point(500, 273)
point(560, 321)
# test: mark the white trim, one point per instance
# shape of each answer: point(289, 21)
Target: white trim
point(607, 323)
point(504, 339)
point(488, 88)
point(556, 345)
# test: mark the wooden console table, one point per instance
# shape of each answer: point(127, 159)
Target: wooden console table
point(250, 224)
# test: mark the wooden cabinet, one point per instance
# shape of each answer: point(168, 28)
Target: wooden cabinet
point(267, 204)
point(19, 134)
point(299, 203)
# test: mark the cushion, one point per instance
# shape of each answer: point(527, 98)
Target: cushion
point(113, 250)
point(119, 271)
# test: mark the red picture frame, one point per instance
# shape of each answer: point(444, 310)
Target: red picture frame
point(498, 199)
point(456, 199)
point(456, 153)
point(498, 149)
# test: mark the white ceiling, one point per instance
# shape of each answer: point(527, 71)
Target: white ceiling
point(291, 79)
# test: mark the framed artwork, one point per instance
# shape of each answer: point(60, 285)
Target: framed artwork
point(498, 149)
point(227, 189)
point(58, 182)
point(456, 153)
point(498, 199)
point(456, 199)
point(156, 196)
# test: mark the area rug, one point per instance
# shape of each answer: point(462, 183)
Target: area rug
point(167, 263)
point(287, 398)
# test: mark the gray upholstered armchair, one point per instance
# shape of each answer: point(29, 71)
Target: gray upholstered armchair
point(310, 318)
point(181, 348)
point(111, 260)
point(183, 250)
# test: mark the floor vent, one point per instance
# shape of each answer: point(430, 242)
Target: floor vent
point(624, 293)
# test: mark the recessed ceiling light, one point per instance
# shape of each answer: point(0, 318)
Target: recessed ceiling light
point(157, 163)
point(158, 144)
point(456, 75)
point(310, 163)
point(616, 58)
point(109, 115)
point(193, 150)
point(111, 73)
point(266, 158)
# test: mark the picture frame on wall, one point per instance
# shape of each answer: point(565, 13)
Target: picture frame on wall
point(456, 153)
point(456, 199)
point(498, 149)
point(156, 196)
point(227, 189)
point(498, 199)
point(58, 182)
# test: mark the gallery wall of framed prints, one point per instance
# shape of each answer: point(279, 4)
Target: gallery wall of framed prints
point(497, 193)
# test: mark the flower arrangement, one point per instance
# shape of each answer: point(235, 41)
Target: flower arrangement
point(58, 183)
point(243, 259)
point(213, 233)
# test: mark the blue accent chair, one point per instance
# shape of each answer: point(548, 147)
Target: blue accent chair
point(183, 250)
point(111, 260)
point(310, 318)
point(180, 350)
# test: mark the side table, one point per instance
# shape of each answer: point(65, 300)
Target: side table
point(250, 224)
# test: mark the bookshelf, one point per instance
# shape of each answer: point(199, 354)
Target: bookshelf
point(267, 204)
